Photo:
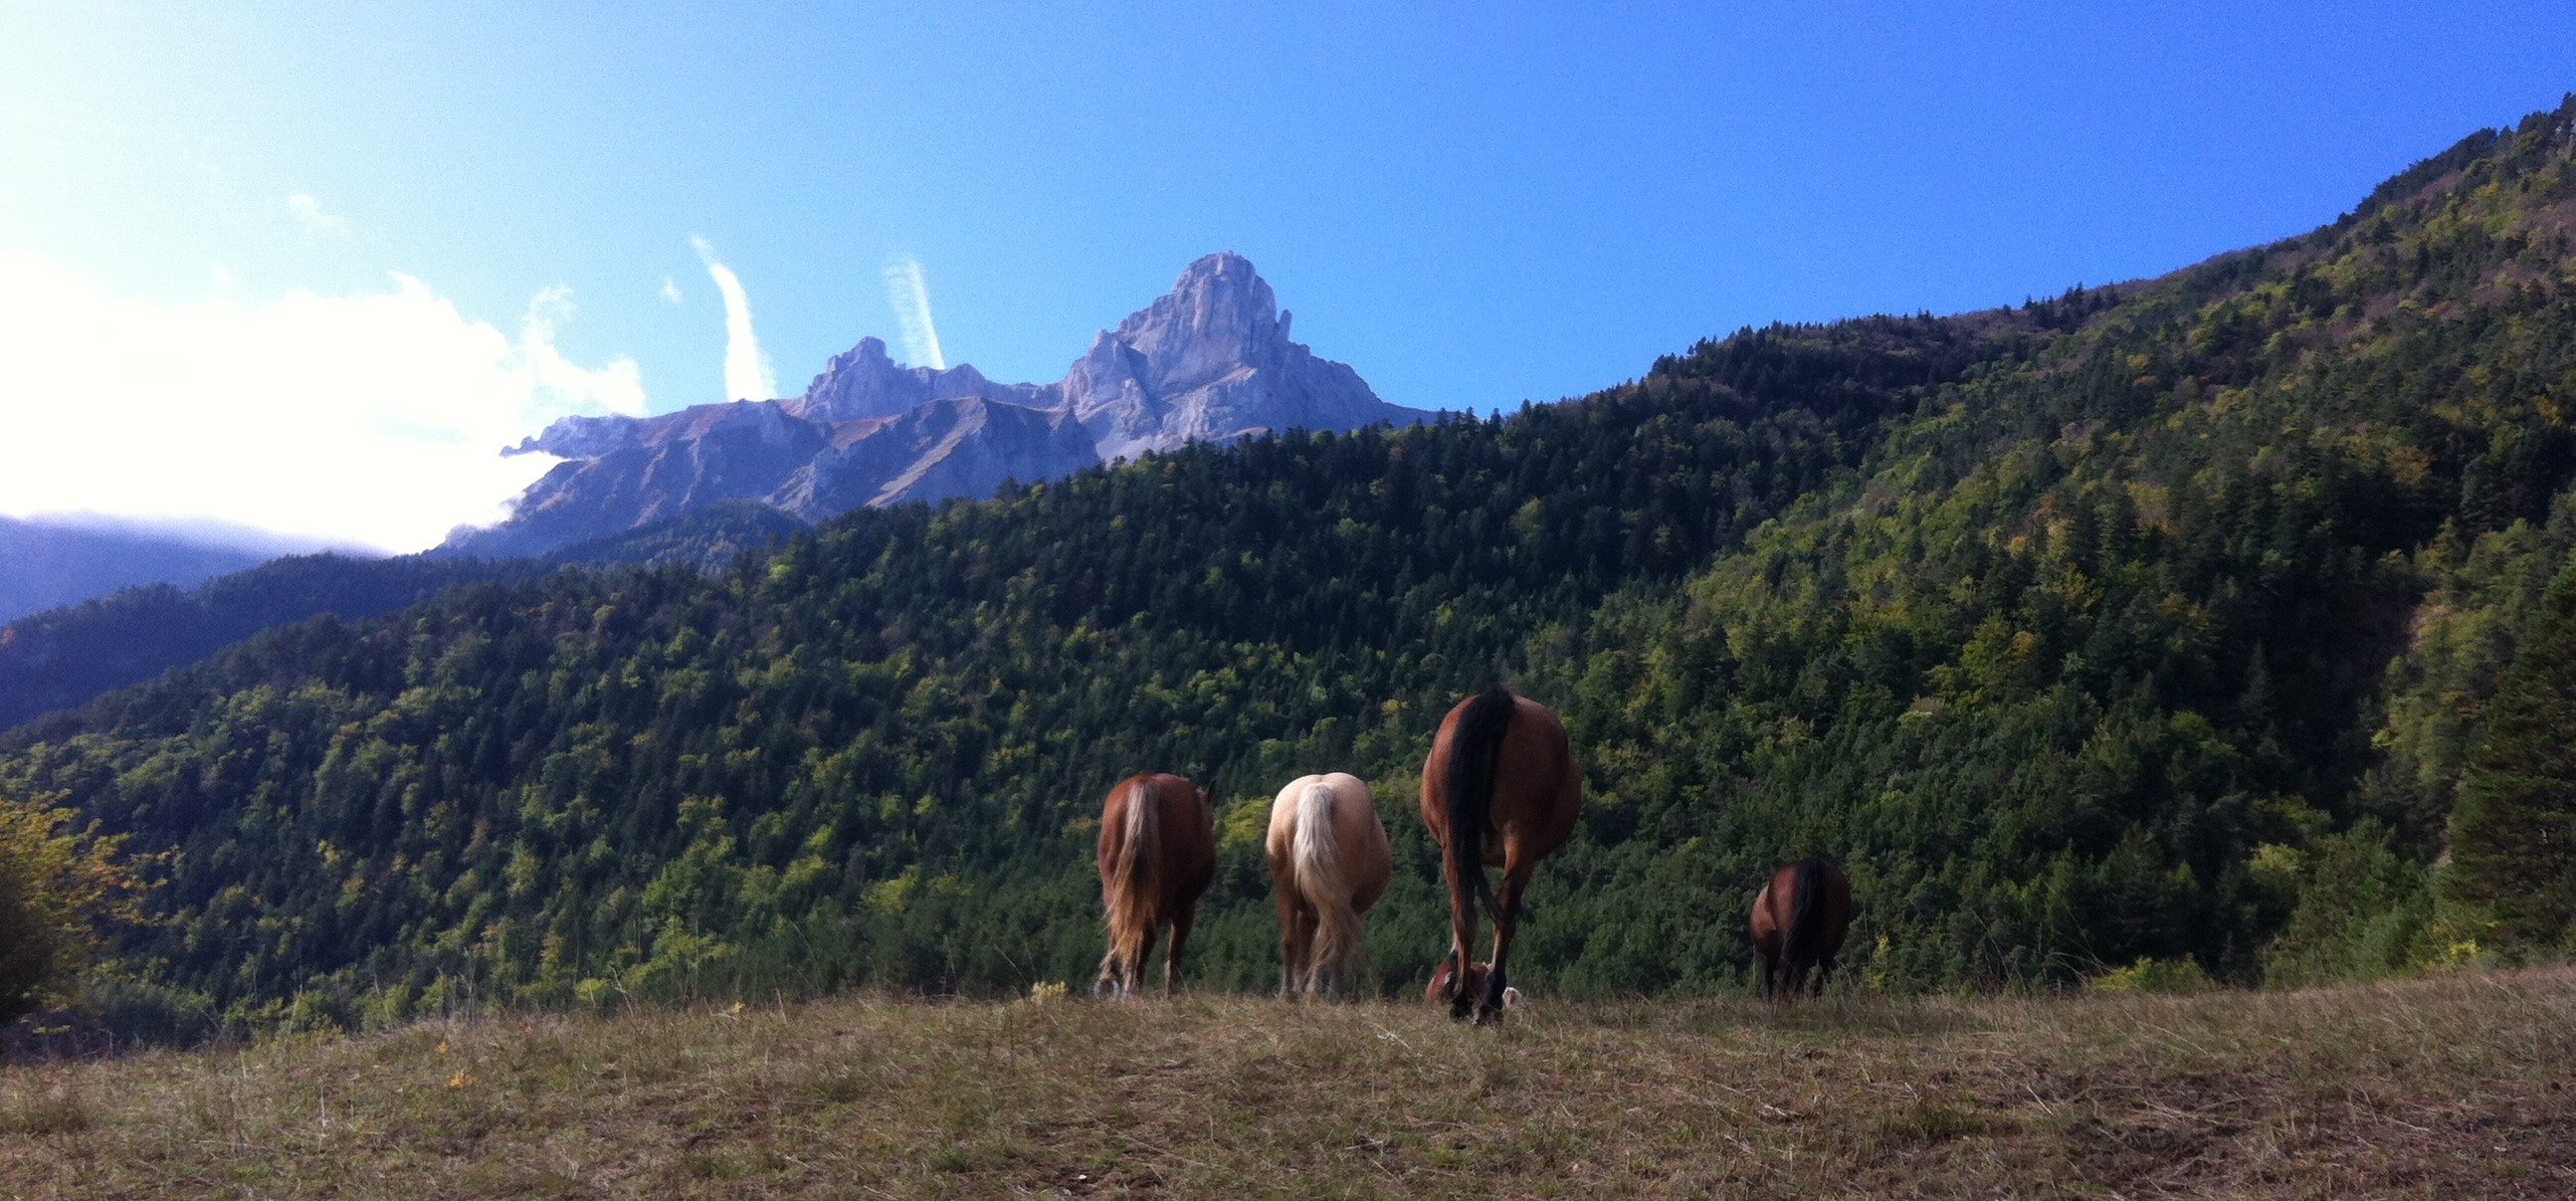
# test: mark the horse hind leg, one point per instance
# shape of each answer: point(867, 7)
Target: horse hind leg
point(1301, 979)
point(1296, 940)
point(1180, 938)
point(1118, 967)
point(1462, 940)
point(1507, 919)
point(1131, 979)
point(1331, 971)
point(1324, 972)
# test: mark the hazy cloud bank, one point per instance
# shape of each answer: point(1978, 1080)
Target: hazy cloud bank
point(371, 419)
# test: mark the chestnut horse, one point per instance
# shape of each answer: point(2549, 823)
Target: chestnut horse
point(1329, 862)
point(1798, 924)
point(1157, 854)
point(1500, 788)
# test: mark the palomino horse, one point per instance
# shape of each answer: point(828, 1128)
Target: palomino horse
point(1157, 854)
point(1329, 862)
point(1501, 789)
point(1798, 924)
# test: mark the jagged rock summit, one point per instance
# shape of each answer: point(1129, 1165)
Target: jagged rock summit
point(1209, 361)
point(864, 382)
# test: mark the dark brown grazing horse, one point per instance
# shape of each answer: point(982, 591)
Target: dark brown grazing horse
point(1798, 924)
point(1499, 789)
point(1157, 854)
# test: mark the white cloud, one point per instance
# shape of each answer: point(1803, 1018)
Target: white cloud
point(746, 371)
point(308, 213)
point(670, 290)
point(372, 419)
point(910, 296)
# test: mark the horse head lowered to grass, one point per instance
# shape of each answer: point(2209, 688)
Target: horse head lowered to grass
point(1500, 788)
point(1157, 854)
point(1329, 862)
point(1445, 983)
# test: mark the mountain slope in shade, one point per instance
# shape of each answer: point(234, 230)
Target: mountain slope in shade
point(960, 446)
point(61, 657)
point(49, 563)
point(1209, 362)
point(621, 473)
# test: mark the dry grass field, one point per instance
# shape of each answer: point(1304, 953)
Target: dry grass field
point(2463, 1086)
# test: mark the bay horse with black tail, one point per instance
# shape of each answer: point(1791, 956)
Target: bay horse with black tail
point(1500, 788)
point(1157, 854)
point(1799, 920)
point(1329, 862)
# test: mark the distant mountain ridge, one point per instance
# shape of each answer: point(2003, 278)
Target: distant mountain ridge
point(45, 563)
point(1211, 361)
point(60, 657)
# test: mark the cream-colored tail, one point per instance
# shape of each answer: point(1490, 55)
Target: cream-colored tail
point(1320, 878)
point(1128, 894)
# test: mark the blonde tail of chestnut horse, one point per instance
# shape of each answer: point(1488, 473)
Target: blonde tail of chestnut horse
point(1129, 896)
point(1326, 887)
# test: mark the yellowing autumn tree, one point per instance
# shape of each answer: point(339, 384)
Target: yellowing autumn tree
point(61, 889)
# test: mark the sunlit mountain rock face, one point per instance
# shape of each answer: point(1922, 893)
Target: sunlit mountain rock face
point(1210, 361)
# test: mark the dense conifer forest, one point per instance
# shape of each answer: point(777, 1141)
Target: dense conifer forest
point(2165, 621)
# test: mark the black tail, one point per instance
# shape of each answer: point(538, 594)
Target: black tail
point(1806, 911)
point(1468, 779)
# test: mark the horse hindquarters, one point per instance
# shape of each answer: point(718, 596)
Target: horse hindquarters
point(1189, 866)
point(1538, 792)
point(1798, 923)
point(1326, 889)
point(1129, 840)
point(1834, 920)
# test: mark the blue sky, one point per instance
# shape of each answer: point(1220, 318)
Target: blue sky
point(1471, 205)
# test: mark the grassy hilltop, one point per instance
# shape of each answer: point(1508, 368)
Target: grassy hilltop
point(2460, 1085)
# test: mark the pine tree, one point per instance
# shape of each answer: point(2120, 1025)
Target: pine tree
point(2513, 832)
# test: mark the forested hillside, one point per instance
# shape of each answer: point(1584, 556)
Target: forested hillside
point(2157, 621)
point(61, 657)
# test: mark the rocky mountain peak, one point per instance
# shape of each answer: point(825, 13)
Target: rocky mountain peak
point(1208, 361)
point(1219, 313)
point(864, 381)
